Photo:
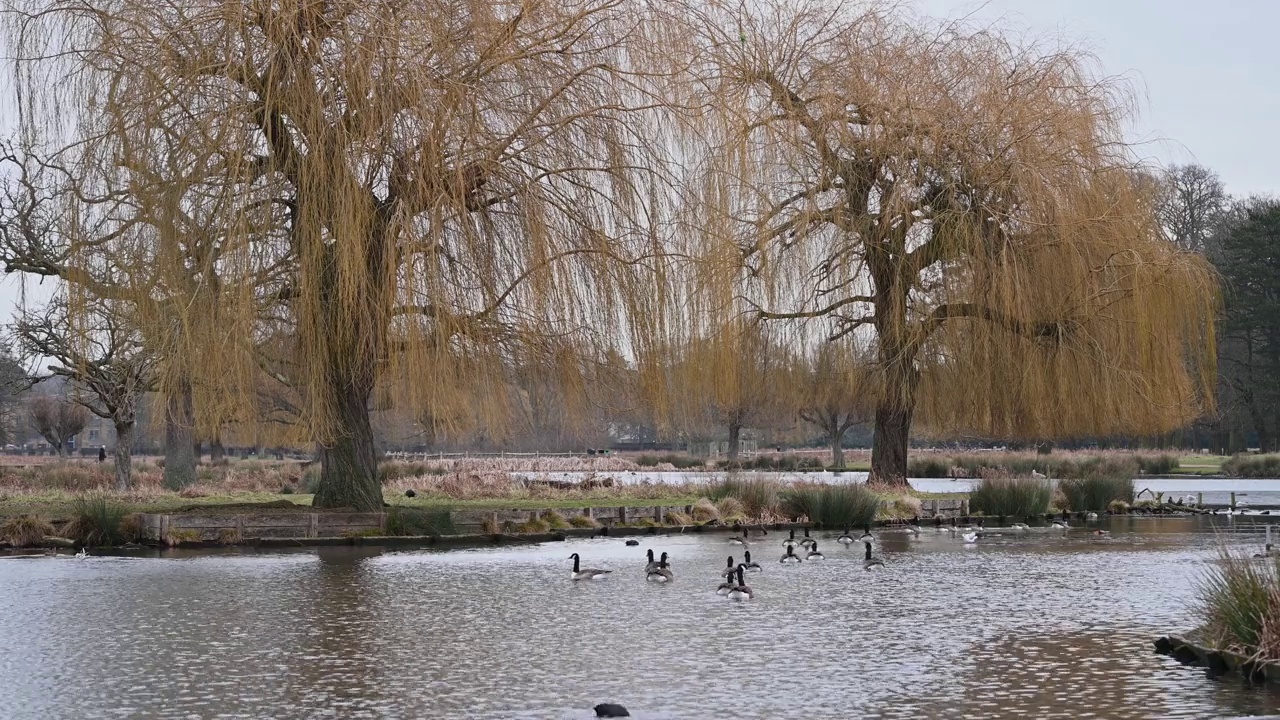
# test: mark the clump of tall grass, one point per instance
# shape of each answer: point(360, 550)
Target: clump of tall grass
point(832, 506)
point(928, 467)
point(1252, 466)
point(777, 463)
point(680, 462)
point(730, 508)
point(554, 520)
point(678, 518)
point(759, 496)
point(1161, 464)
point(1095, 494)
point(583, 521)
point(532, 526)
point(1239, 601)
point(25, 531)
point(1011, 497)
point(705, 511)
point(404, 521)
point(97, 520)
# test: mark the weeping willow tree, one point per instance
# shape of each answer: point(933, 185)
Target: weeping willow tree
point(440, 186)
point(835, 394)
point(964, 203)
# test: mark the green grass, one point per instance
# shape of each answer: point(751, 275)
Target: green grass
point(1011, 497)
point(413, 521)
point(1201, 464)
point(833, 507)
point(98, 520)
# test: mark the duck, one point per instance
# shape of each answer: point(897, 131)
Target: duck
point(741, 591)
point(735, 540)
point(82, 554)
point(790, 557)
point(790, 542)
point(662, 573)
point(580, 573)
point(750, 565)
point(871, 562)
point(610, 710)
point(845, 539)
point(632, 543)
point(729, 569)
point(814, 554)
point(806, 541)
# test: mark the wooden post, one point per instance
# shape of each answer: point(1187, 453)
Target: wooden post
point(1269, 539)
point(657, 514)
point(313, 525)
point(1200, 499)
point(1233, 499)
point(622, 515)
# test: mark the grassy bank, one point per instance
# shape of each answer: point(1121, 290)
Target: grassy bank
point(1239, 605)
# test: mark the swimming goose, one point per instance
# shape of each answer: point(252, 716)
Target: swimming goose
point(662, 574)
point(1061, 524)
point(790, 542)
point(589, 573)
point(729, 569)
point(82, 554)
point(750, 565)
point(870, 562)
point(610, 710)
point(790, 557)
point(806, 541)
point(730, 583)
point(846, 539)
point(735, 540)
point(653, 566)
point(814, 554)
point(969, 537)
point(741, 591)
point(913, 527)
point(866, 535)
point(1021, 527)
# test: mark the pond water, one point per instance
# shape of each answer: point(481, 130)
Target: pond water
point(1217, 491)
point(1039, 625)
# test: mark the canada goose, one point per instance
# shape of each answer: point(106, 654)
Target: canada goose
point(82, 554)
point(588, 573)
point(969, 537)
point(1021, 527)
point(790, 557)
point(730, 583)
point(735, 540)
point(662, 574)
point(814, 554)
point(610, 710)
point(790, 542)
point(729, 569)
point(913, 527)
point(741, 591)
point(750, 565)
point(653, 566)
point(866, 535)
point(871, 563)
point(632, 543)
point(806, 541)
point(845, 539)
point(1061, 524)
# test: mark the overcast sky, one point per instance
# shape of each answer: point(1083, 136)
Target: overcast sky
point(1209, 74)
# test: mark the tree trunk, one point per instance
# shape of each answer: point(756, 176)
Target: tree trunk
point(217, 453)
point(735, 441)
point(123, 453)
point(889, 444)
point(62, 449)
point(837, 447)
point(179, 445)
point(349, 465)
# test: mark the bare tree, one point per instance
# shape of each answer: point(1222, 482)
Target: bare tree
point(965, 202)
point(109, 365)
point(1191, 203)
point(58, 420)
point(836, 395)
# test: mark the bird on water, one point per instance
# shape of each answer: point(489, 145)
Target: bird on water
point(741, 591)
point(610, 710)
point(749, 564)
point(791, 557)
point(871, 562)
point(580, 573)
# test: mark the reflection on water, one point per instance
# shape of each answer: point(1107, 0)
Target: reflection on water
point(1041, 626)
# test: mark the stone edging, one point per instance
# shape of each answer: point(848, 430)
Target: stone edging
point(1217, 661)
